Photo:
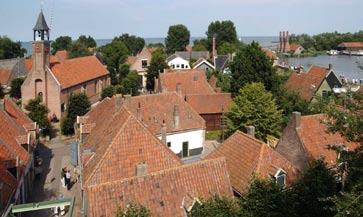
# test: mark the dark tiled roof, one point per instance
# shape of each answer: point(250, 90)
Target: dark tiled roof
point(193, 55)
point(41, 23)
point(155, 108)
point(221, 62)
point(165, 193)
point(306, 84)
point(247, 157)
point(210, 103)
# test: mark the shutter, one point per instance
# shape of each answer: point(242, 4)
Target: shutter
point(74, 153)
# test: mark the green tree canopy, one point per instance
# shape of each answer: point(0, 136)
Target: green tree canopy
point(78, 105)
point(108, 92)
point(252, 65)
point(156, 45)
point(2, 94)
point(227, 48)
point(201, 44)
point(115, 54)
point(215, 206)
point(225, 31)
point(157, 64)
point(254, 106)
point(88, 42)
point(177, 39)
point(38, 113)
point(131, 84)
point(61, 43)
point(79, 49)
point(133, 43)
point(133, 210)
point(10, 49)
point(15, 85)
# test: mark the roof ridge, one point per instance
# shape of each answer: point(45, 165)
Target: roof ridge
point(159, 172)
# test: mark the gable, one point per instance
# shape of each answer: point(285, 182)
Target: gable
point(333, 81)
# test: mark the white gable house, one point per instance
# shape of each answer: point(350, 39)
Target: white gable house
point(178, 63)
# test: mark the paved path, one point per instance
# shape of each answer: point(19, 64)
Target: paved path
point(47, 186)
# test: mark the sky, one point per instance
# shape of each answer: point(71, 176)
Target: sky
point(105, 19)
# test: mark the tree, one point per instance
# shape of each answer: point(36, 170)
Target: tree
point(134, 44)
point(79, 49)
point(78, 105)
point(61, 43)
point(157, 65)
point(199, 47)
point(131, 84)
point(266, 198)
point(252, 65)
point(10, 49)
point(215, 206)
point(133, 210)
point(311, 191)
point(108, 92)
point(156, 45)
point(254, 107)
point(15, 85)
point(115, 54)
point(227, 48)
point(38, 113)
point(225, 31)
point(201, 44)
point(88, 42)
point(178, 38)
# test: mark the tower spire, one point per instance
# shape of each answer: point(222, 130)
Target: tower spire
point(41, 27)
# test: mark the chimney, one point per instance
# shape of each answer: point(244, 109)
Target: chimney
point(287, 45)
point(330, 67)
point(141, 169)
point(179, 89)
point(176, 116)
point(251, 131)
point(281, 42)
point(118, 101)
point(138, 111)
point(2, 105)
point(163, 133)
point(214, 49)
point(296, 118)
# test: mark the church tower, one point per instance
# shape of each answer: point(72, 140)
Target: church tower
point(40, 56)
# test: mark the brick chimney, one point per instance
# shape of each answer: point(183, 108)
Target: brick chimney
point(287, 45)
point(176, 116)
point(330, 67)
point(251, 131)
point(138, 111)
point(296, 118)
point(281, 42)
point(2, 105)
point(214, 48)
point(163, 133)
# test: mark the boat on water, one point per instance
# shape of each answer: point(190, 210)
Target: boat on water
point(332, 52)
point(353, 53)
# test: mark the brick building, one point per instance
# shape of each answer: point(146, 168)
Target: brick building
point(53, 79)
point(124, 162)
point(17, 142)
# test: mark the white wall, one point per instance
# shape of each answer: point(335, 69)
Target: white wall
point(194, 138)
point(178, 62)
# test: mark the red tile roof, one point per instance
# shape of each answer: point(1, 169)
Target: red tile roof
point(131, 60)
point(294, 47)
point(9, 184)
point(61, 55)
point(306, 84)
point(210, 103)
point(28, 64)
point(247, 157)
point(269, 53)
point(156, 108)
point(351, 45)
point(316, 139)
point(165, 193)
point(78, 70)
point(192, 81)
point(121, 143)
point(5, 75)
point(16, 113)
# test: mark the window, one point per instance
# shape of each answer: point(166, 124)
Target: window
point(63, 108)
point(40, 94)
point(96, 86)
point(178, 66)
point(144, 63)
point(168, 144)
point(280, 177)
point(84, 88)
point(325, 94)
point(182, 66)
point(185, 152)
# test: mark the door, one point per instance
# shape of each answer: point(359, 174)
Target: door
point(185, 149)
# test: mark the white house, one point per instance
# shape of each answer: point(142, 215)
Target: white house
point(177, 62)
point(172, 120)
point(204, 64)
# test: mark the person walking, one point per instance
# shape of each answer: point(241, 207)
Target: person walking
point(68, 179)
point(63, 177)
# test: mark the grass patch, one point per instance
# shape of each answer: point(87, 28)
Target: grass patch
point(213, 135)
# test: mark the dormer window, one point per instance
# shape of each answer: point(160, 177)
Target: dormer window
point(144, 63)
point(280, 177)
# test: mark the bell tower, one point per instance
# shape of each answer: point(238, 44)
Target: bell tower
point(41, 44)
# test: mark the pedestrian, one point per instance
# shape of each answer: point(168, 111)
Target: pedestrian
point(68, 179)
point(63, 177)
